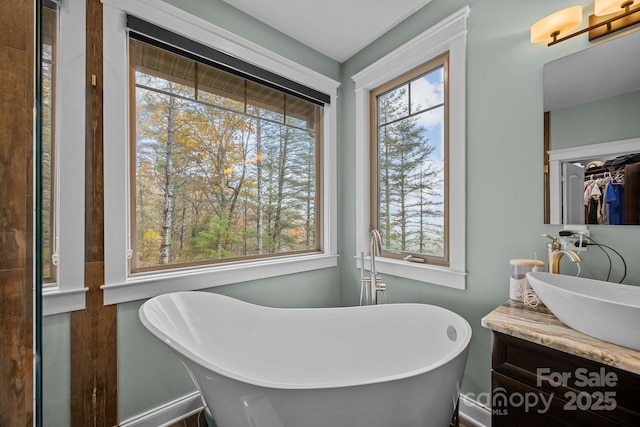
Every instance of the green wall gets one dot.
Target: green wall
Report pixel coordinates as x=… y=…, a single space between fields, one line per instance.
x=504 y=193
x=504 y=164
x=56 y=380
x=611 y=119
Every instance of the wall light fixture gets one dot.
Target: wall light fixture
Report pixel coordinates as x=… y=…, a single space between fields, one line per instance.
x=609 y=16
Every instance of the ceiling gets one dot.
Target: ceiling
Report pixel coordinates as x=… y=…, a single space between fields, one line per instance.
x=336 y=28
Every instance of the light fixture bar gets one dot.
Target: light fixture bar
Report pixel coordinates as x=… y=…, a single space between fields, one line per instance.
x=620 y=24
x=607 y=22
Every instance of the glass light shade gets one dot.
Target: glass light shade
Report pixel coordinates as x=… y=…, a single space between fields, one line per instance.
x=561 y=21
x=607 y=7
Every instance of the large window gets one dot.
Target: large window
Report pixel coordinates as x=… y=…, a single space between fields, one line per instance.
x=409 y=164
x=223 y=168
x=410 y=156
x=219 y=157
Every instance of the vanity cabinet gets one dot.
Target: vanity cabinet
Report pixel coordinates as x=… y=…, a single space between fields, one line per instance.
x=534 y=385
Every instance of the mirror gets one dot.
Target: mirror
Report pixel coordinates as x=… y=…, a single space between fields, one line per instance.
x=592 y=135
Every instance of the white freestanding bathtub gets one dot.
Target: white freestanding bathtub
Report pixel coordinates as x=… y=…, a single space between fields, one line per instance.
x=373 y=366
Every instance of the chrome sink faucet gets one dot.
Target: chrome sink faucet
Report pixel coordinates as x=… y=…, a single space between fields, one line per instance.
x=372 y=284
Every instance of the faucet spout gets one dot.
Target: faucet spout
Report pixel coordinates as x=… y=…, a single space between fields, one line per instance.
x=375 y=281
x=375 y=247
x=556 y=256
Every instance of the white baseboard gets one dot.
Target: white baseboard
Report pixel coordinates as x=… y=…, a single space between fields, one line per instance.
x=474 y=412
x=167 y=414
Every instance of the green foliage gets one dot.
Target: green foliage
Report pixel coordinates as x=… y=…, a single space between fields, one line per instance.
x=212 y=242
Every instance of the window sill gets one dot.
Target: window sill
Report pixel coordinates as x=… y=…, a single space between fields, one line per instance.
x=150 y=285
x=442 y=276
x=56 y=300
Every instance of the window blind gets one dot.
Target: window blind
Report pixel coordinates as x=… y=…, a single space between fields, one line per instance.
x=160 y=37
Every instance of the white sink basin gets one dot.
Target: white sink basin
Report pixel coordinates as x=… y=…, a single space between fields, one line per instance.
x=604 y=310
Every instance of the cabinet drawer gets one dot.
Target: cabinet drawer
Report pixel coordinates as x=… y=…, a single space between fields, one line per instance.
x=517 y=404
x=562 y=374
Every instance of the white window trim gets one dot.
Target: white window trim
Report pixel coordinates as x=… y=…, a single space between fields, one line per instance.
x=120 y=285
x=448 y=35
x=68 y=293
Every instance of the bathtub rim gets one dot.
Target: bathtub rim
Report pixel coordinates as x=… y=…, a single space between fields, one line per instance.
x=183 y=351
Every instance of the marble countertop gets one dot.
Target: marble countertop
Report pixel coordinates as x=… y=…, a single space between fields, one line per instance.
x=540 y=326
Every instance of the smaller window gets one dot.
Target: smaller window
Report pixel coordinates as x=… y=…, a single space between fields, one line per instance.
x=409 y=156
x=63 y=50
x=442 y=216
